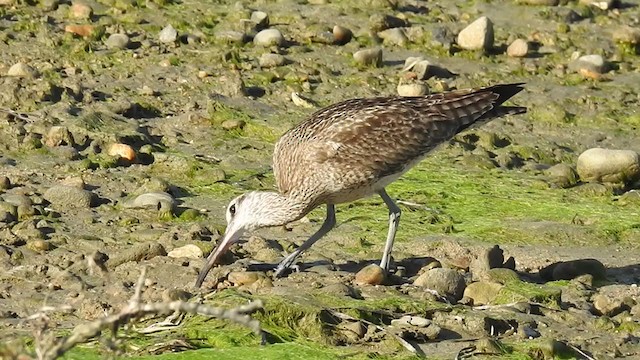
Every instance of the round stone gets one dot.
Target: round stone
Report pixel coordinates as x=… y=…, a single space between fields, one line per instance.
x=370 y=275
x=609 y=166
x=117 y=41
x=518 y=48
x=269 y=37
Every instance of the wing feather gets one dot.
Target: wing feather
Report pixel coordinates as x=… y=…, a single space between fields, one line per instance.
x=363 y=140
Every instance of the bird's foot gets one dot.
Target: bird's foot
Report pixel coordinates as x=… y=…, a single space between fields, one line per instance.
x=285 y=265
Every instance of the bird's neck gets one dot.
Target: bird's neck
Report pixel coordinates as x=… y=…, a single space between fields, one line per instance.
x=288 y=208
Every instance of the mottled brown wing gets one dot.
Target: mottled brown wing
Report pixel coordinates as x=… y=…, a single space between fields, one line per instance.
x=364 y=140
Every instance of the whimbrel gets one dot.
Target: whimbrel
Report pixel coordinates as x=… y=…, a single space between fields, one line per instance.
x=354 y=149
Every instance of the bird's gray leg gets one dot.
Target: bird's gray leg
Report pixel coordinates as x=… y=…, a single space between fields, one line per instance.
x=329 y=223
x=394 y=220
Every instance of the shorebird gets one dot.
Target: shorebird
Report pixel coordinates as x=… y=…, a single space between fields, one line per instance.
x=351 y=150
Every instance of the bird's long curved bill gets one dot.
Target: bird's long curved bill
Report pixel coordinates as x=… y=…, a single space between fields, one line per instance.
x=230 y=237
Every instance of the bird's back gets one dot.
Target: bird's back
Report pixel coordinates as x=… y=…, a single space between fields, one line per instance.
x=347 y=150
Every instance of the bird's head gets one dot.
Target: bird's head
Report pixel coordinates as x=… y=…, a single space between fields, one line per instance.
x=247 y=212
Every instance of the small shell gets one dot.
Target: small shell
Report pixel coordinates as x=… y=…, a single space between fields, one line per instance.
x=299 y=100
x=122 y=151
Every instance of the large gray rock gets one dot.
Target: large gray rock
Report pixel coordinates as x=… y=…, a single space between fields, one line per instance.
x=609 y=166
x=478 y=35
x=62 y=196
x=446 y=282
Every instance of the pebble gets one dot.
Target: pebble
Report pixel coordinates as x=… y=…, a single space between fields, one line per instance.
x=269 y=37
x=341 y=35
x=478 y=35
x=394 y=36
x=482 y=292
x=261 y=19
x=369 y=57
x=189 y=251
x=62 y=197
x=370 y=275
x=81 y=30
x=412 y=89
x=562 y=175
x=518 y=48
x=5 y=183
x=567 y=270
x=117 y=41
x=80 y=11
x=152 y=200
x=21 y=69
x=587 y=64
x=122 y=151
x=609 y=166
x=446 y=282
x=269 y=60
x=168 y=34
x=58 y=135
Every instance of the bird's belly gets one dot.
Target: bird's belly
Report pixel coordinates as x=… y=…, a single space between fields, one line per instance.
x=359 y=192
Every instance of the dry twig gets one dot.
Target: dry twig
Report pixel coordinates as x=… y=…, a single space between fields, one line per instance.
x=135 y=309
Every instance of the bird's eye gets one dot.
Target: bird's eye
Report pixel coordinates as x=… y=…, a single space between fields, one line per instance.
x=232 y=209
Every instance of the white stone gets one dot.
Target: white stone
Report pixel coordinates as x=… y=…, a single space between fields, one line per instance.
x=269 y=37
x=478 y=35
x=609 y=166
x=412 y=89
x=168 y=34
x=518 y=48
